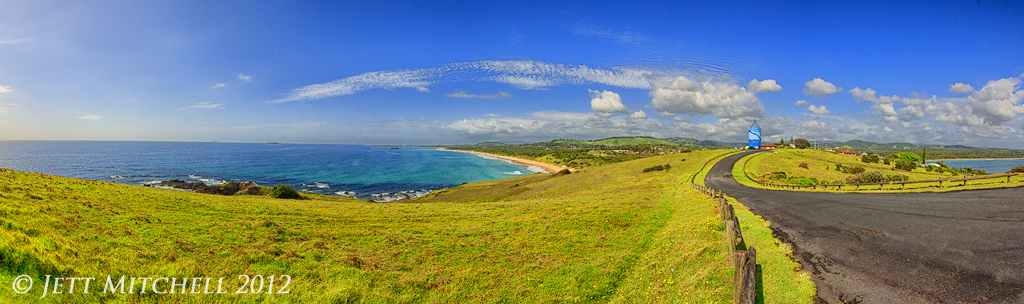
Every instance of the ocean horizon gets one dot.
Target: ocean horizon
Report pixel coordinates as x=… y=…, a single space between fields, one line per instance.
x=377 y=173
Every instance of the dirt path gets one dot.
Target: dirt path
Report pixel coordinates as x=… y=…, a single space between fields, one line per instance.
x=952 y=247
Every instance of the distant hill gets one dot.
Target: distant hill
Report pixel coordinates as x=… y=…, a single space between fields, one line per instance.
x=633 y=141
x=873 y=146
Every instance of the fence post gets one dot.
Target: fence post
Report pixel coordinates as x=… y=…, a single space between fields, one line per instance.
x=747 y=285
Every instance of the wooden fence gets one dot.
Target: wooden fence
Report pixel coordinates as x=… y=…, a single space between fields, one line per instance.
x=744 y=259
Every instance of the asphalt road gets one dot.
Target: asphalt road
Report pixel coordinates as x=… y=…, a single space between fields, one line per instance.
x=952 y=247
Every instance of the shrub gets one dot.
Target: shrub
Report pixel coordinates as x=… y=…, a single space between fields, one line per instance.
x=803 y=165
x=855 y=169
x=870 y=158
x=839 y=167
x=929 y=168
x=564 y=172
x=897 y=177
x=905 y=165
x=867 y=177
x=1017 y=169
x=658 y=168
x=284 y=191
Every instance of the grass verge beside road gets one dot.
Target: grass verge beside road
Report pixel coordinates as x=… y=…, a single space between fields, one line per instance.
x=821 y=167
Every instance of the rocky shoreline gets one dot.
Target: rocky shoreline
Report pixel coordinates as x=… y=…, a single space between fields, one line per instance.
x=229 y=188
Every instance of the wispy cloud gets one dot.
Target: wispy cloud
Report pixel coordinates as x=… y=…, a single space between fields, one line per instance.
x=205 y=106
x=463 y=94
x=89 y=117
x=423 y=89
x=523 y=74
x=219 y=85
x=244 y=77
x=623 y=37
x=4 y=89
x=12 y=41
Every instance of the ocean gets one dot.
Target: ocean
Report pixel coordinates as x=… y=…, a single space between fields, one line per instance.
x=991 y=166
x=365 y=172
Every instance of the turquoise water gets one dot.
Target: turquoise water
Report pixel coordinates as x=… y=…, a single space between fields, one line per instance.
x=991 y=166
x=366 y=172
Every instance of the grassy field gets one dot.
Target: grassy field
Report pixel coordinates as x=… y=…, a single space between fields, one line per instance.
x=604 y=234
x=821 y=167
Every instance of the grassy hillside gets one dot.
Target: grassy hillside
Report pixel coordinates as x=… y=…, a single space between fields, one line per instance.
x=821 y=168
x=605 y=234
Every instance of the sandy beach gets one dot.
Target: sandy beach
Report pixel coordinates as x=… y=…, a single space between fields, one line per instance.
x=546 y=166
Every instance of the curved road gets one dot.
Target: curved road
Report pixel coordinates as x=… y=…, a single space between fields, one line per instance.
x=952 y=247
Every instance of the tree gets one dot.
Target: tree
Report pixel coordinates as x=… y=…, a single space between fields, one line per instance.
x=924 y=155
x=909 y=156
x=782 y=141
x=801 y=143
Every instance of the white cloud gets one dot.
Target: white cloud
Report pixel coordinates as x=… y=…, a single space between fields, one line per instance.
x=423 y=89
x=887 y=129
x=818 y=87
x=244 y=77
x=999 y=101
x=638 y=114
x=3 y=109
x=869 y=95
x=885 y=110
x=463 y=94
x=801 y=103
x=5 y=89
x=718 y=98
x=764 y=86
x=666 y=115
x=89 y=117
x=492 y=115
x=606 y=103
x=205 y=106
x=961 y=88
x=219 y=85
x=819 y=110
x=522 y=74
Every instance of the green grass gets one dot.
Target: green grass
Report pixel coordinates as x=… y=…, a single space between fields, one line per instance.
x=821 y=167
x=604 y=234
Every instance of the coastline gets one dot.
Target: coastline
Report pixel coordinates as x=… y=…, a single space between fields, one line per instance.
x=944 y=159
x=526 y=162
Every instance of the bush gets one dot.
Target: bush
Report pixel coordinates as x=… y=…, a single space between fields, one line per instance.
x=658 y=168
x=902 y=164
x=929 y=168
x=870 y=158
x=897 y=177
x=284 y=191
x=803 y=165
x=1017 y=169
x=867 y=177
x=848 y=169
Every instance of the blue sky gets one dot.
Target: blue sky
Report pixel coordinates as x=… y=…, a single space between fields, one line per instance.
x=389 y=72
